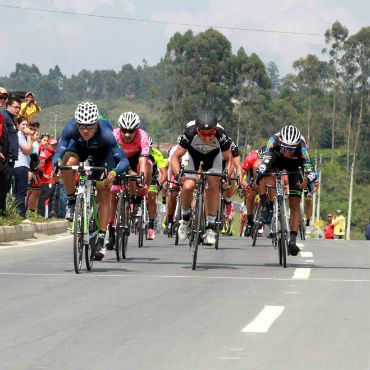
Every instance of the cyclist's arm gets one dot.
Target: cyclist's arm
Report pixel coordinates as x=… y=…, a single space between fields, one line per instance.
x=122 y=163
x=229 y=162
x=67 y=135
x=143 y=161
x=175 y=160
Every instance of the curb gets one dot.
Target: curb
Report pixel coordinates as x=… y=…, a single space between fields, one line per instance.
x=21 y=232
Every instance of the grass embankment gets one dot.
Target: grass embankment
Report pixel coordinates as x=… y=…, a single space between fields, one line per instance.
x=13 y=218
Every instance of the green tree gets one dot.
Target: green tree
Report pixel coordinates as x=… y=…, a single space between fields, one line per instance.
x=335 y=39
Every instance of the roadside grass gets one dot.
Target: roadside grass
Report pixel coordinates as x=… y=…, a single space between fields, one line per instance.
x=12 y=216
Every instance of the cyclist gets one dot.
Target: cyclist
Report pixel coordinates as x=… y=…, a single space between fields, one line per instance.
x=173 y=192
x=238 y=170
x=158 y=179
x=135 y=143
x=84 y=136
x=286 y=150
x=250 y=166
x=204 y=140
x=308 y=194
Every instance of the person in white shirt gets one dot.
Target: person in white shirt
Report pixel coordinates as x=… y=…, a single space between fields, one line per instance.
x=22 y=165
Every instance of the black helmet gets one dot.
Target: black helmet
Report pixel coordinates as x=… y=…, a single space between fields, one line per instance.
x=262 y=150
x=205 y=120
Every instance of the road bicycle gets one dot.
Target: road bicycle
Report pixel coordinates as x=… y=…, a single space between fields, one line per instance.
x=85 y=226
x=280 y=221
x=198 y=222
x=123 y=214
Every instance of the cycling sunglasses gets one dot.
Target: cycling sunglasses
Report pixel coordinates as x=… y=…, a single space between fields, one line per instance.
x=130 y=132
x=84 y=126
x=285 y=147
x=206 y=134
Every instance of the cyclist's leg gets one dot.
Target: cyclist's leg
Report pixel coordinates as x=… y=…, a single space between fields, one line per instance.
x=295 y=209
x=113 y=200
x=308 y=206
x=152 y=209
x=74 y=155
x=99 y=159
x=187 y=195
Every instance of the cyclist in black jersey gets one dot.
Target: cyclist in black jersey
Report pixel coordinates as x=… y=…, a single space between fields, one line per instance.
x=204 y=140
x=286 y=150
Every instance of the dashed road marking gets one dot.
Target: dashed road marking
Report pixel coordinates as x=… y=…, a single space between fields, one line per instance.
x=300 y=245
x=301 y=273
x=264 y=320
x=306 y=254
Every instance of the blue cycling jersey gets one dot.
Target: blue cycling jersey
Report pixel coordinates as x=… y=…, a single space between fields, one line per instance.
x=103 y=143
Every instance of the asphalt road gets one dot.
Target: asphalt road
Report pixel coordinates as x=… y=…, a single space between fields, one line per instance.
x=238 y=310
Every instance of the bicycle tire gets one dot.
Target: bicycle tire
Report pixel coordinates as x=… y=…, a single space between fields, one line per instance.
x=178 y=218
x=119 y=227
x=218 y=224
x=197 y=225
x=283 y=231
x=302 y=230
x=78 y=234
x=126 y=227
x=256 y=224
x=90 y=248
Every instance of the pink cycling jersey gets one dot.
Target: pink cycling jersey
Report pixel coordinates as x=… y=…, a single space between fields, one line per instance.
x=140 y=144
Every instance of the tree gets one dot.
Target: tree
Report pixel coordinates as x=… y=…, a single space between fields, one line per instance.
x=274 y=75
x=311 y=73
x=335 y=38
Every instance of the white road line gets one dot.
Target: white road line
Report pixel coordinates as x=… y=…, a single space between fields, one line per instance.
x=301 y=273
x=309 y=261
x=23 y=244
x=291 y=292
x=229 y=358
x=306 y=254
x=300 y=245
x=99 y=275
x=263 y=321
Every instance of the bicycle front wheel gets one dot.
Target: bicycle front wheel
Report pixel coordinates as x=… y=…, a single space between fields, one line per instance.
x=256 y=224
x=197 y=231
x=78 y=234
x=284 y=233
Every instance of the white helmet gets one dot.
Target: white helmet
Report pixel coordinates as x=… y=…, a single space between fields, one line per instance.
x=86 y=113
x=290 y=135
x=129 y=120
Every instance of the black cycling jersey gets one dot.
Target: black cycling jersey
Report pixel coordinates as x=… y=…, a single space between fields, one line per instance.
x=191 y=141
x=234 y=149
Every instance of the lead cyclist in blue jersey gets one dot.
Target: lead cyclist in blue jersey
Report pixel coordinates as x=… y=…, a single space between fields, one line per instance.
x=85 y=136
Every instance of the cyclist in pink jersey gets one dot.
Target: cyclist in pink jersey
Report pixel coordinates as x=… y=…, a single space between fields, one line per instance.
x=135 y=143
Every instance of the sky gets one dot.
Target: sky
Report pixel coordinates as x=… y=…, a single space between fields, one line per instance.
x=76 y=42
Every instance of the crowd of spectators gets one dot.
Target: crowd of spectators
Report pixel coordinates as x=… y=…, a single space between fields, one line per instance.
x=25 y=160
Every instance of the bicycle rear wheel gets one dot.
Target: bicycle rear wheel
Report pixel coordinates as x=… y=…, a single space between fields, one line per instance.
x=197 y=224
x=177 y=222
x=78 y=234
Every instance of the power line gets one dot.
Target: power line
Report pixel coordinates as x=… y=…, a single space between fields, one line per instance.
x=160 y=22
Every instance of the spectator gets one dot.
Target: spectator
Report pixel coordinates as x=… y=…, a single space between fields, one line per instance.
x=242 y=217
x=36 y=127
x=339 y=224
x=37 y=174
x=5 y=170
x=29 y=107
x=9 y=150
x=329 y=229
x=367 y=231
x=48 y=183
x=22 y=165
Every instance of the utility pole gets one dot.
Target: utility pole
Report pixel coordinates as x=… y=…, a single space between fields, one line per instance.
x=319 y=190
x=348 y=233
